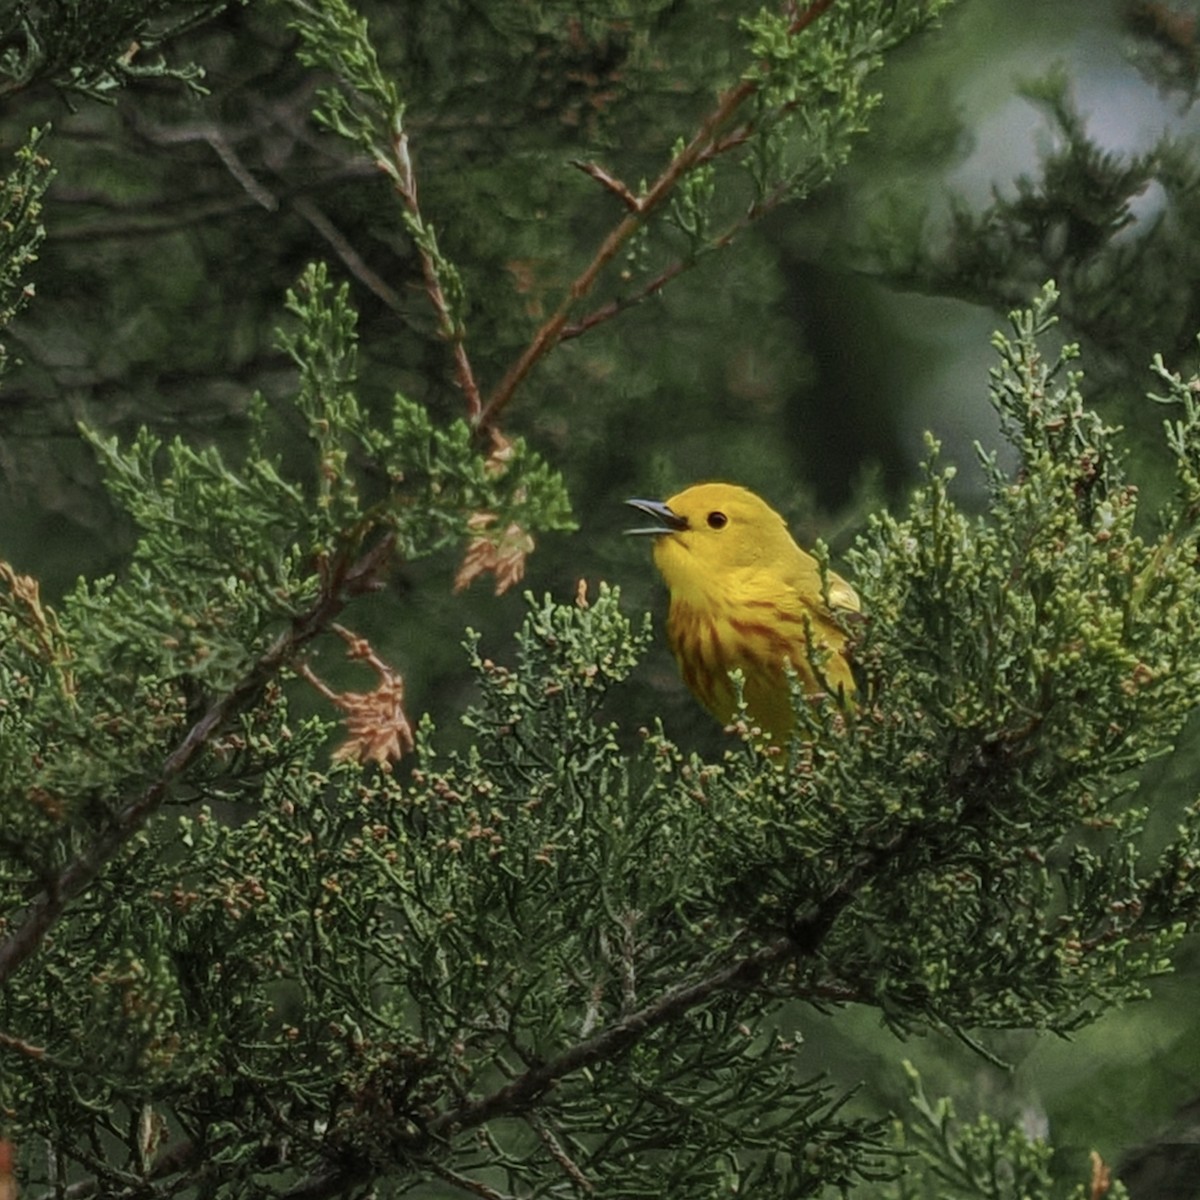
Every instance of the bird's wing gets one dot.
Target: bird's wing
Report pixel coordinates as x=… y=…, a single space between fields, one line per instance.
x=841 y=594
x=803 y=577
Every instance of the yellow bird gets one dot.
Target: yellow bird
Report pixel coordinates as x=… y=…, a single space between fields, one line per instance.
x=745 y=596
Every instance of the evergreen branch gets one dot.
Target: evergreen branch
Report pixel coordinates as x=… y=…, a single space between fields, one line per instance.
x=697 y=151
x=341 y=580
x=525 y=1090
x=96 y=50
x=21 y=230
x=433 y=267
x=613 y=1041
x=522 y=1093
x=366 y=109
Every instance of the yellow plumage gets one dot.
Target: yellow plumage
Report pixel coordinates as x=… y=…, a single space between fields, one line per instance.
x=745 y=596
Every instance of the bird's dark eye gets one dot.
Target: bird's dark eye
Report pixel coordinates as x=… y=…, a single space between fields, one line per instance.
x=717 y=520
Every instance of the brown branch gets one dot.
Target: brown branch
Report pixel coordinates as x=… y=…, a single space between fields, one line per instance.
x=550 y=333
x=613 y=1041
x=340 y=581
x=8 y=1042
x=701 y=148
x=614 y=308
x=610 y=182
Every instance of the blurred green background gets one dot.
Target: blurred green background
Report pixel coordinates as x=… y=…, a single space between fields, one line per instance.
x=1023 y=139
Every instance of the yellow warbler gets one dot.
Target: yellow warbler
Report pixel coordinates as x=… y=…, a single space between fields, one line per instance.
x=744 y=596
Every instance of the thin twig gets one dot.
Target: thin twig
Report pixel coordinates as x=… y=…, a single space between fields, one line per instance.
x=652 y=287
x=353 y=261
x=614 y=308
x=555 y=1149
x=21 y=1046
x=702 y=147
x=404 y=180
x=341 y=580
x=613 y=184
x=474 y=1186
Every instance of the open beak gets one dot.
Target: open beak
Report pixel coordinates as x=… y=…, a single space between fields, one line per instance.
x=667 y=521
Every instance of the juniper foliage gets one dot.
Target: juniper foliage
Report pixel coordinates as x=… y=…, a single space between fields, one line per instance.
x=562 y=952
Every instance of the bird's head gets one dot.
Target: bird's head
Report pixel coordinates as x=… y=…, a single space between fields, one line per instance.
x=710 y=529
